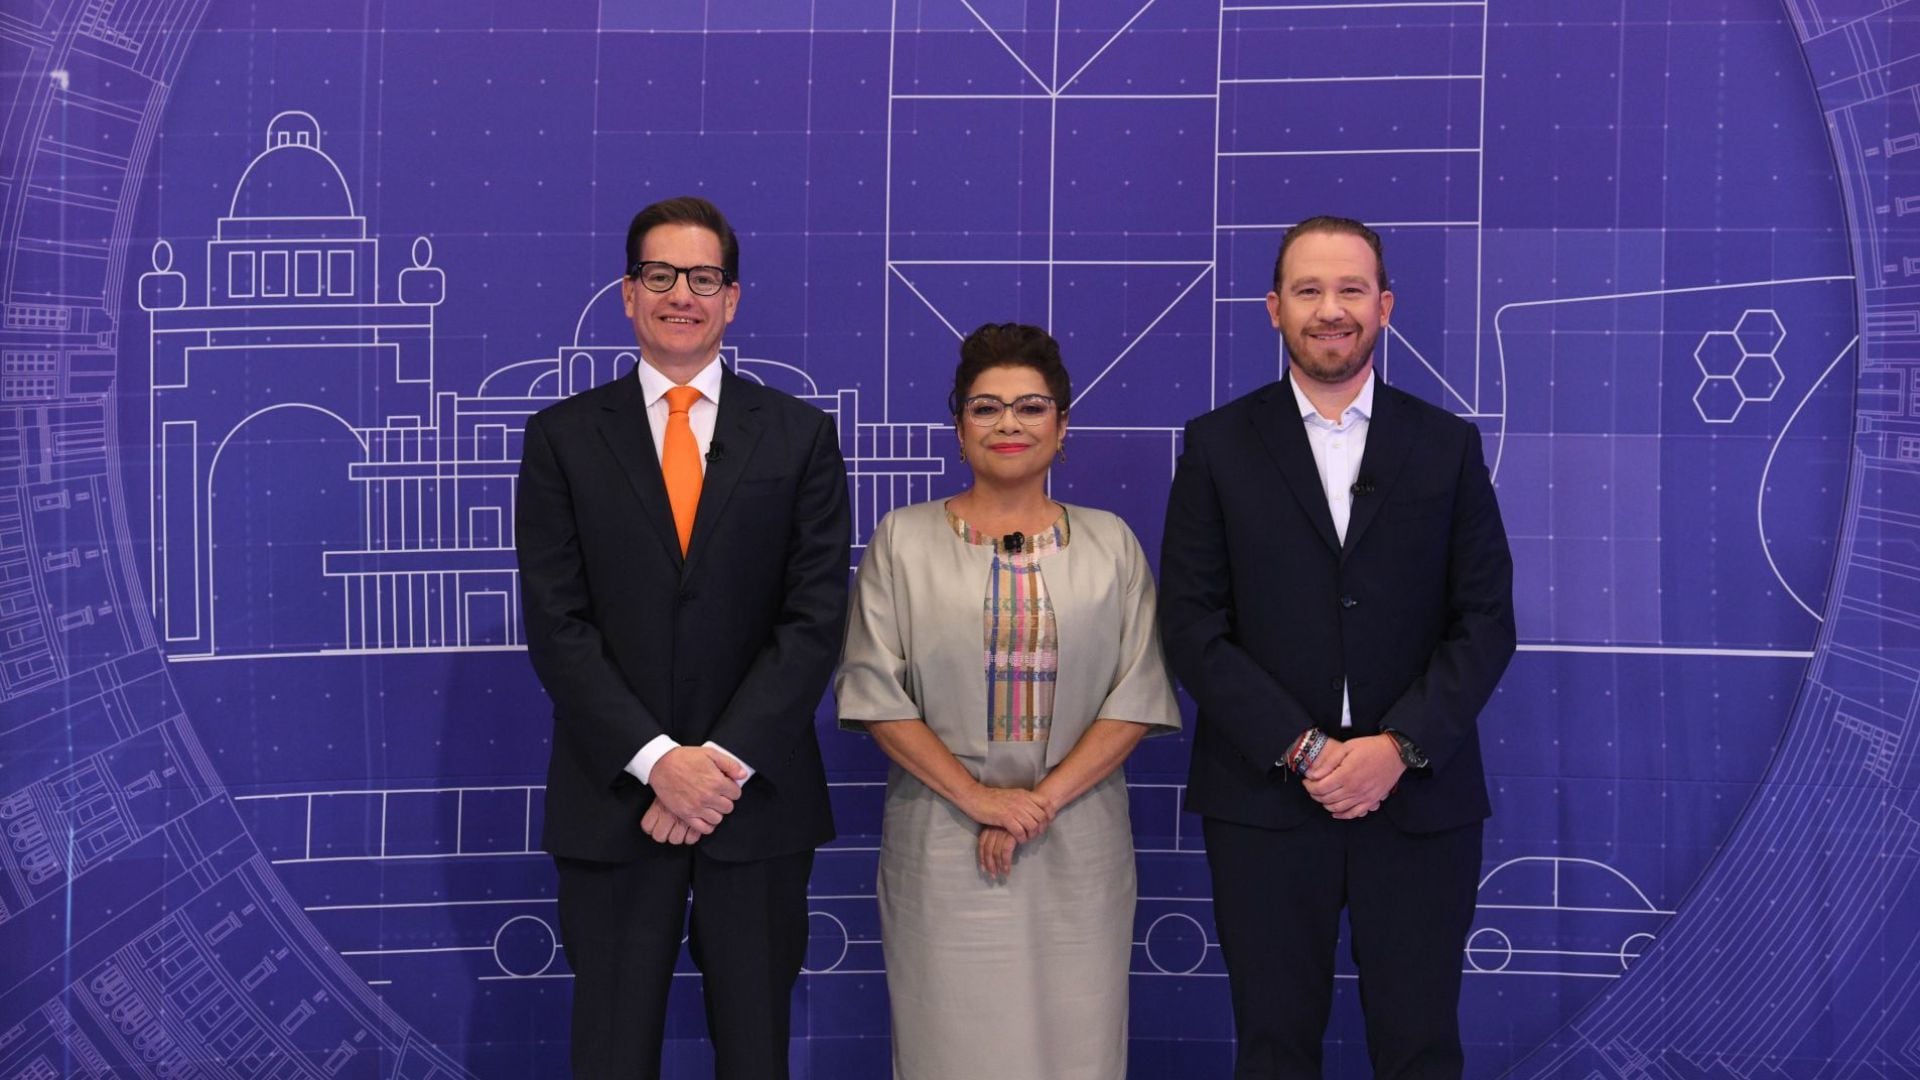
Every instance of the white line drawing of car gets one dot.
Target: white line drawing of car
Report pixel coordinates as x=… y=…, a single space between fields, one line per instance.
x=1552 y=915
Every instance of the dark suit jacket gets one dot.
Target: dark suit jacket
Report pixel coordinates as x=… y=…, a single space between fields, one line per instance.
x=1265 y=613
x=735 y=643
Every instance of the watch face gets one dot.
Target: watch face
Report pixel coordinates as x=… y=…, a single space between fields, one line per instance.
x=1410 y=754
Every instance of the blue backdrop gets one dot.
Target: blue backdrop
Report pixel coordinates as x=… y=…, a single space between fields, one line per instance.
x=282 y=282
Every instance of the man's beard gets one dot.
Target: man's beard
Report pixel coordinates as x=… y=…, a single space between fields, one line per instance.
x=1336 y=370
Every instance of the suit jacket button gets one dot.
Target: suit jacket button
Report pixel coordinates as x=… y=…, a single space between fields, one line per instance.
x=1348 y=601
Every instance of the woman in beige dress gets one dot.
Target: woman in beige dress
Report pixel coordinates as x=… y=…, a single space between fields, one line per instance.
x=1001 y=649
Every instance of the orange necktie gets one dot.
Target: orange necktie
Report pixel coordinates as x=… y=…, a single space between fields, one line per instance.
x=680 y=462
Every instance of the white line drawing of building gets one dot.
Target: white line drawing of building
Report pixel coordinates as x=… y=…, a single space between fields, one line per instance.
x=401 y=492
x=290 y=338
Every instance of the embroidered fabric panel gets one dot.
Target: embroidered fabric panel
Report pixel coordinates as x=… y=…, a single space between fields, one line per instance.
x=1021 y=635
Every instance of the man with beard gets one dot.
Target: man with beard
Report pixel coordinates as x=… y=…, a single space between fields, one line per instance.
x=1336 y=595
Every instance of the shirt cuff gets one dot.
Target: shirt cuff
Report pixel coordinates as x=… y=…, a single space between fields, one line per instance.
x=641 y=767
x=711 y=745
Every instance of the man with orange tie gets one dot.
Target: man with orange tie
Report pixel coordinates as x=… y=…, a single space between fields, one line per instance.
x=682 y=537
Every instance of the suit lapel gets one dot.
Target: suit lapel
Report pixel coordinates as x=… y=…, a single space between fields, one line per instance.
x=623 y=423
x=1390 y=436
x=1279 y=427
x=736 y=432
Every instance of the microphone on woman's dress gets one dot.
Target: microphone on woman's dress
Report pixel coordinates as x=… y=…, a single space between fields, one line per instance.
x=1013 y=542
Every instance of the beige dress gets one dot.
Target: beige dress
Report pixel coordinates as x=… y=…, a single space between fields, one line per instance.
x=1026 y=979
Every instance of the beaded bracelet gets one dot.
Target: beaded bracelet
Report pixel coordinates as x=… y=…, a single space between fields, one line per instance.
x=1306 y=750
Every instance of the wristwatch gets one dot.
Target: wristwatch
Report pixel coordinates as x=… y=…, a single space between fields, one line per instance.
x=1410 y=755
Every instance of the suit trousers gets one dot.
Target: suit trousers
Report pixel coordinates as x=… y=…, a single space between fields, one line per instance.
x=621 y=925
x=1409 y=897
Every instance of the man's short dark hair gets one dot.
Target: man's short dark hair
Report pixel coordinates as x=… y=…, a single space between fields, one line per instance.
x=1325 y=223
x=1011 y=345
x=685 y=210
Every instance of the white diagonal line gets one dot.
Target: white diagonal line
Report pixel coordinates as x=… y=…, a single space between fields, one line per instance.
x=923 y=299
x=1141 y=336
x=1128 y=25
x=1010 y=50
x=1665 y=292
x=1444 y=384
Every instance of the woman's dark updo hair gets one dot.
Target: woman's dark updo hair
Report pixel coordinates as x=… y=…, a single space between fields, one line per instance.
x=1010 y=345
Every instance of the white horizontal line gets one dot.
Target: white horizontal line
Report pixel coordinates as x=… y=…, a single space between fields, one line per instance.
x=677 y=975
x=406 y=952
x=1349 y=78
x=516 y=788
x=1352 y=153
x=396 y=858
x=1363 y=7
x=409 y=650
x=1049 y=262
x=284 y=217
x=1667 y=650
x=294 y=309
x=1544 y=974
x=391 y=791
x=1615 y=953
x=427 y=904
x=1053 y=97
x=1569 y=907
x=1372 y=224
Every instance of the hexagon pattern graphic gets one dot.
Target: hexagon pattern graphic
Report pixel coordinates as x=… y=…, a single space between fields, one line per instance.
x=1739 y=366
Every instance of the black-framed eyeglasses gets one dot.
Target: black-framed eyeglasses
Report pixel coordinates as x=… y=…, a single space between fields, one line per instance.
x=985 y=410
x=661 y=276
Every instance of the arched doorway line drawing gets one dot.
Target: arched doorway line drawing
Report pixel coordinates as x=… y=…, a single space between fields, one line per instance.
x=213 y=471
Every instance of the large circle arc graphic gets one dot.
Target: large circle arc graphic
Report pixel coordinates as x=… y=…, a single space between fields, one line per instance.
x=146 y=687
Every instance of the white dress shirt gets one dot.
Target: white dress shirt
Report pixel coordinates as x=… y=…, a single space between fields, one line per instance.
x=654 y=387
x=700 y=417
x=1337 y=450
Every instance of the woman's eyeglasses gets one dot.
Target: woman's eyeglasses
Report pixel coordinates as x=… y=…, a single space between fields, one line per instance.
x=984 y=410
